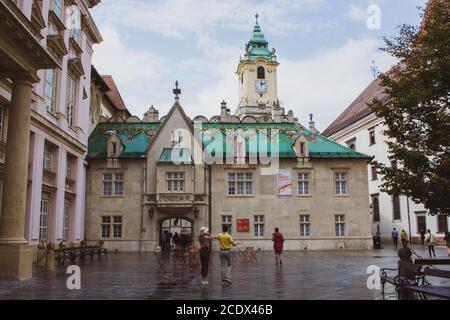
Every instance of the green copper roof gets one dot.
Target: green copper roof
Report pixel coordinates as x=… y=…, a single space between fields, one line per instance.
x=136 y=138
x=257 y=47
x=174 y=155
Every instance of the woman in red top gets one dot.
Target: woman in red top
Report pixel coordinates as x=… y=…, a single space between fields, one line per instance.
x=278 y=241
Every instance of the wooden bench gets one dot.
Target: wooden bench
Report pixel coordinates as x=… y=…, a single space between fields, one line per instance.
x=428 y=290
x=64 y=253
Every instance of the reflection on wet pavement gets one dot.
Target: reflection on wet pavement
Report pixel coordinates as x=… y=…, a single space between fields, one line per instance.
x=304 y=275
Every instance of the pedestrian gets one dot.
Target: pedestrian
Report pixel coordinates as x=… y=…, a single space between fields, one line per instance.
x=168 y=239
x=422 y=236
x=226 y=242
x=205 y=252
x=278 y=241
x=176 y=240
x=447 y=241
x=394 y=236
x=404 y=237
x=163 y=240
x=429 y=239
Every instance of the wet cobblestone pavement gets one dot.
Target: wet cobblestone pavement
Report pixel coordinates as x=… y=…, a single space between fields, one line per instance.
x=304 y=275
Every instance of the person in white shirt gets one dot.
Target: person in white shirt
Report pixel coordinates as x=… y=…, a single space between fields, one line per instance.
x=429 y=240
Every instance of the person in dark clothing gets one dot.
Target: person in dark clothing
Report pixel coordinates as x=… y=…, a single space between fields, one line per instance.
x=205 y=252
x=394 y=236
x=176 y=239
x=422 y=236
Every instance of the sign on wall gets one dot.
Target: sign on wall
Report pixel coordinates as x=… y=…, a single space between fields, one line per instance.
x=243 y=225
x=284 y=182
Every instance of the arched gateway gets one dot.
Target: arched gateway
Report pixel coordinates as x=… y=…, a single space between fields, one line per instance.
x=176 y=225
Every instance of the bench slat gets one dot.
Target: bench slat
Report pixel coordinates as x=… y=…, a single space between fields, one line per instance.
x=437 y=273
x=442 y=292
x=431 y=262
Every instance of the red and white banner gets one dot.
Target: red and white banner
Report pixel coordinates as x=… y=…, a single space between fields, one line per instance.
x=284 y=182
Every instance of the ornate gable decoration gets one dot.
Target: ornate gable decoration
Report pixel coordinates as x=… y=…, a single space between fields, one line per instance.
x=55 y=43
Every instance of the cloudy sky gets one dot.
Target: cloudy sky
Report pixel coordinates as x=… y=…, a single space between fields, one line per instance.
x=324 y=47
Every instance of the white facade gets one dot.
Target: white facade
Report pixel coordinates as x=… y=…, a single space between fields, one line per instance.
x=358 y=134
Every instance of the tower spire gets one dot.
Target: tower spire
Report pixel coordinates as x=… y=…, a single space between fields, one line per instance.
x=257 y=16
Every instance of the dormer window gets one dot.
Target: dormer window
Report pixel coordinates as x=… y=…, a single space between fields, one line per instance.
x=261 y=73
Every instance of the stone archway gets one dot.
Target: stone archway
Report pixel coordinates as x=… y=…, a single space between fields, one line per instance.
x=175 y=231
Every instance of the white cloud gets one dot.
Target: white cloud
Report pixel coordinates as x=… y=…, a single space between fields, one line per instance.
x=136 y=72
x=327 y=83
x=357 y=13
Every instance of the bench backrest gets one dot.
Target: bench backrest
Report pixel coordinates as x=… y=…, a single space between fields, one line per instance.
x=432 y=262
x=437 y=273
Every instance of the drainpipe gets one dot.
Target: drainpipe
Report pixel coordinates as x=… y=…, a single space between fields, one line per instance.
x=409 y=221
x=144 y=193
x=209 y=199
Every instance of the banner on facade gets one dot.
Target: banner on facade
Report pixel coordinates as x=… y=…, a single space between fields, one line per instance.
x=284 y=183
x=243 y=225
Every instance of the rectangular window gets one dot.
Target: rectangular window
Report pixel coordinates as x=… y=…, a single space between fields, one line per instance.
x=66 y=222
x=227 y=221
x=341 y=183
x=113 y=184
x=107 y=184
x=175 y=181
x=48 y=157
x=50 y=90
x=340 y=225
x=118 y=184
x=259 y=226
x=372 y=139
x=1 y=122
x=106 y=227
x=396 y=207
x=442 y=224
x=69 y=163
x=303 y=183
x=304 y=225
x=117 y=227
x=57 y=8
x=70 y=101
x=421 y=223
x=43 y=220
x=374 y=173
x=240 y=183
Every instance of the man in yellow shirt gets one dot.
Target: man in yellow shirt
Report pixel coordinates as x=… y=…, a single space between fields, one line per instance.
x=226 y=242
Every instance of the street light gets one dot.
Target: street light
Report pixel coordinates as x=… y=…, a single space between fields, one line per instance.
x=196 y=212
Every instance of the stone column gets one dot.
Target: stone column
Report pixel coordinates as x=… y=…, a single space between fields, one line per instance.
x=15 y=254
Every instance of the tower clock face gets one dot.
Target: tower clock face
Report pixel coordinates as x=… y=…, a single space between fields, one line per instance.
x=261 y=86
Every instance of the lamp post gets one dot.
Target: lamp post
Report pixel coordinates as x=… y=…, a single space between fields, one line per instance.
x=196 y=212
x=151 y=212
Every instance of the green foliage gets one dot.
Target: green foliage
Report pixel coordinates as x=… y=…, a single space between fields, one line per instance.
x=417 y=113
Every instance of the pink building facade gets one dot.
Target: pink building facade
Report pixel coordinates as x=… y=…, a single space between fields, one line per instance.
x=60 y=104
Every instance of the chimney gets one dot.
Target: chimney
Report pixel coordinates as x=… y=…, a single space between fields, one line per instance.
x=223 y=109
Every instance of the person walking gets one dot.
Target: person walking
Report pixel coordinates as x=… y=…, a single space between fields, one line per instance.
x=163 y=240
x=278 y=241
x=447 y=241
x=226 y=242
x=176 y=240
x=394 y=236
x=429 y=239
x=404 y=237
x=205 y=252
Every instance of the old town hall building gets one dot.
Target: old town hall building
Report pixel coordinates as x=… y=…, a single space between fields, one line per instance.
x=253 y=170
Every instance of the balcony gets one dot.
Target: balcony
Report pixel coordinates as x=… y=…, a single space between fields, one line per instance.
x=172 y=202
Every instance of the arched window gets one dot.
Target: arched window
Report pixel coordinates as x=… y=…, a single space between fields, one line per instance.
x=261 y=73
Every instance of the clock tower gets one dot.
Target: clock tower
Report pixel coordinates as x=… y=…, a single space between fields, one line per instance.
x=257 y=75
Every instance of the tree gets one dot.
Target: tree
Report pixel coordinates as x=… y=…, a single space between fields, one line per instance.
x=417 y=113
